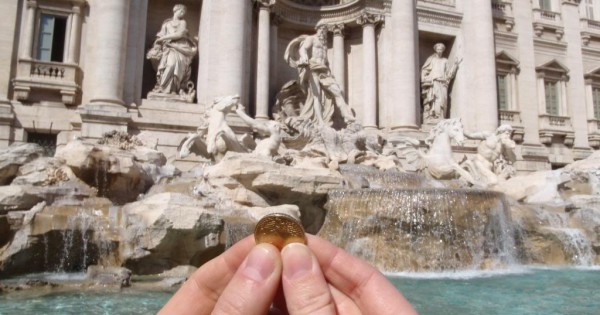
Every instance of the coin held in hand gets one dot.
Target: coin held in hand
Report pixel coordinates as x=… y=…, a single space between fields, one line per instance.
x=279 y=230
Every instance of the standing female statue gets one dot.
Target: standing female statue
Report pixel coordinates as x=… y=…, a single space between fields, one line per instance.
x=172 y=56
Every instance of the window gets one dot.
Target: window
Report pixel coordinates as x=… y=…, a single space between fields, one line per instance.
x=507 y=70
x=596 y=102
x=503 y=95
x=546 y=5
x=591 y=9
x=552 y=97
x=51 y=39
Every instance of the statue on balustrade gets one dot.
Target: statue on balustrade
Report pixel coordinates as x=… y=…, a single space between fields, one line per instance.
x=495 y=156
x=436 y=75
x=171 y=56
x=322 y=94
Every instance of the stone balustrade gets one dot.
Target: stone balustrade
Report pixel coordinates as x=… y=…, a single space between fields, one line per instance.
x=594 y=133
x=63 y=77
x=502 y=10
x=589 y=29
x=513 y=118
x=544 y=20
x=556 y=126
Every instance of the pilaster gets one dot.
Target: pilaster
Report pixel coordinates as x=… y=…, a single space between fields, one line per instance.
x=479 y=109
x=575 y=98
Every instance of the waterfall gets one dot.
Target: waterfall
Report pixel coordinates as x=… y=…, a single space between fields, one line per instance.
x=422 y=229
x=370 y=177
x=572 y=241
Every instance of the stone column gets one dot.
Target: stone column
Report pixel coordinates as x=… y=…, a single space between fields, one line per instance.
x=339 y=55
x=574 y=62
x=225 y=34
x=404 y=73
x=479 y=108
x=109 y=59
x=27 y=39
x=75 y=38
x=7 y=44
x=106 y=110
x=274 y=57
x=263 y=58
x=368 y=22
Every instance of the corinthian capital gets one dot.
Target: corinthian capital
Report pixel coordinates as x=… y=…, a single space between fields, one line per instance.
x=264 y=3
x=336 y=29
x=369 y=18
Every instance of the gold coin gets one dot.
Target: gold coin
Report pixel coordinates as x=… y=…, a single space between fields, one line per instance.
x=279 y=229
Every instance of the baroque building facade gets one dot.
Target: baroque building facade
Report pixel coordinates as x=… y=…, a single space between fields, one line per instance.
x=79 y=68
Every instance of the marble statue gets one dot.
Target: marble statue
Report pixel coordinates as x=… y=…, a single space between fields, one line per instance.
x=171 y=57
x=308 y=54
x=436 y=75
x=215 y=138
x=269 y=146
x=494 y=158
x=438 y=161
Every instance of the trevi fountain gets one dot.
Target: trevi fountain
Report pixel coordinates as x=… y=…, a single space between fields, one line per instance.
x=114 y=222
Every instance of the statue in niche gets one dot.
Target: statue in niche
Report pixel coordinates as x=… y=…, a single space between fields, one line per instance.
x=171 y=56
x=494 y=158
x=308 y=54
x=436 y=76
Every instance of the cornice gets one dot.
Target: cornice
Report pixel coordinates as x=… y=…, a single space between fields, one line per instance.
x=348 y=13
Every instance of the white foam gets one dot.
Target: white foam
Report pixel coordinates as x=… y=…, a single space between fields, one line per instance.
x=460 y=274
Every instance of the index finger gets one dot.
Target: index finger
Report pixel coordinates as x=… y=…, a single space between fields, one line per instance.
x=199 y=294
x=369 y=289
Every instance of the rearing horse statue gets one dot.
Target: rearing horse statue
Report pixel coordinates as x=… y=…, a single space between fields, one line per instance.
x=438 y=161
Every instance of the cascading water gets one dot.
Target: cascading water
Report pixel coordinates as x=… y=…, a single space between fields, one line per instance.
x=78 y=231
x=422 y=229
x=575 y=245
x=363 y=175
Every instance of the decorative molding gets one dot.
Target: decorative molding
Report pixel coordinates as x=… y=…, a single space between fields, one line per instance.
x=337 y=29
x=264 y=4
x=369 y=19
x=436 y=17
x=450 y=3
x=347 y=13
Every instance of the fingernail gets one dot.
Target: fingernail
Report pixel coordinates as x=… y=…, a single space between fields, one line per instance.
x=260 y=264
x=297 y=260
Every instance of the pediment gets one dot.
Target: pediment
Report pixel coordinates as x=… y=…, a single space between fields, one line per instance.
x=553 y=66
x=593 y=74
x=505 y=58
x=505 y=63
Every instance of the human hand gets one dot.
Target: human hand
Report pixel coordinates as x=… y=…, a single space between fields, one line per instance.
x=241 y=108
x=316 y=279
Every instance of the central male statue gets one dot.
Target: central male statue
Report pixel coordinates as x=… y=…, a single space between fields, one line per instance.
x=308 y=54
